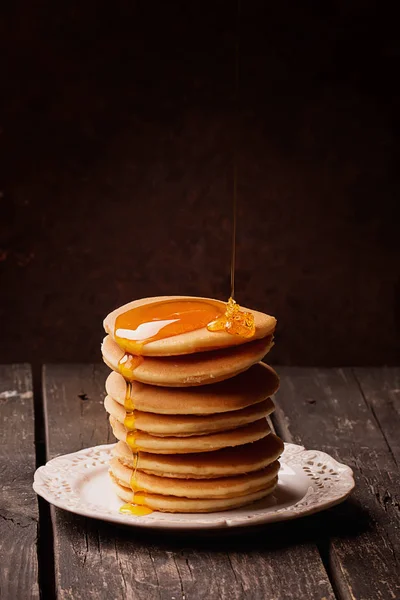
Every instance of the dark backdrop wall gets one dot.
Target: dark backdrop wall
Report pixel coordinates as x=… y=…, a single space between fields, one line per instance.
x=117 y=134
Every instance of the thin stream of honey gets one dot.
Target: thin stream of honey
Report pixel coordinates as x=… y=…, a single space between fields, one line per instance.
x=235 y=321
x=235 y=169
x=233 y=252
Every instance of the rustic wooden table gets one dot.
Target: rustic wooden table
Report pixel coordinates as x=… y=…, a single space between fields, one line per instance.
x=349 y=552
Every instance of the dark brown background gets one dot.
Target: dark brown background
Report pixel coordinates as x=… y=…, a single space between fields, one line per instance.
x=117 y=135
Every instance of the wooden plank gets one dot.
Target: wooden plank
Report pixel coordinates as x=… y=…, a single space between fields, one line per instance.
x=18 y=503
x=96 y=560
x=325 y=409
x=381 y=390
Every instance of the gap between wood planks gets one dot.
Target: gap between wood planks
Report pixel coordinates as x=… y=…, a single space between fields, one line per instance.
x=364 y=401
x=45 y=542
x=323 y=547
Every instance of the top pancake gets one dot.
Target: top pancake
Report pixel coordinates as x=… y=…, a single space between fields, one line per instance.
x=193 y=341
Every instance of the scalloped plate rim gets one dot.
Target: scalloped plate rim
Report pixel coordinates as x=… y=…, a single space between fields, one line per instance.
x=206 y=520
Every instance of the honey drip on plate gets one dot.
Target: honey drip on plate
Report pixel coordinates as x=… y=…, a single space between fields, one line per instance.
x=138 y=508
x=135 y=510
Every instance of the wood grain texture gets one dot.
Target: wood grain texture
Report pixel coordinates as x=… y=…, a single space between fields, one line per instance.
x=326 y=409
x=18 y=503
x=95 y=560
x=381 y=390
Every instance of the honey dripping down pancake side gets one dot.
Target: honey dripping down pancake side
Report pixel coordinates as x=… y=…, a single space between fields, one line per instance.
x=178 y=415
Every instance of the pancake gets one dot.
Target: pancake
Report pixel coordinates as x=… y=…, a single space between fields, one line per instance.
x=187 y=425
x=193 y=341
x=205 y=465
x=222 y=487
x=253 y=385
x=141 y=441
x=192 y=369
x=190 y=505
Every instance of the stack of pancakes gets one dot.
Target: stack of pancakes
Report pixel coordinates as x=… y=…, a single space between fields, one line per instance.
x=190 y=417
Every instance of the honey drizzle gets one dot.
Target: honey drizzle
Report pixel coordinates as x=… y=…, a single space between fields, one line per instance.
x=129 y=419
x=135 y=508
x=133 y=482
x=131 y=440
x=127 y=364
x=128 y=401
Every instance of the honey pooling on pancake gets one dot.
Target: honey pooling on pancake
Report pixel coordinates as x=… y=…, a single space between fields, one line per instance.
x=159 y=320
x=235 y=321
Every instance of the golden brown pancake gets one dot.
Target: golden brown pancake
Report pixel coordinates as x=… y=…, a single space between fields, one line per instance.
x=196 y=443
x=191 y=369
x=190 y=505
x=204 y=465
x=186 y=425
x=253 y=385
x=194 y=341
x=222 y=487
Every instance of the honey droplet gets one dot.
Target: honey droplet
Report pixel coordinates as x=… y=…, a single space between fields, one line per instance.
x=235 y=321
x=135 y=510
x=135 y=487
x=131 y=441
x=159 y=320
x=129 y=421
x=139 y=498
x=128 y=402
x=128 y=364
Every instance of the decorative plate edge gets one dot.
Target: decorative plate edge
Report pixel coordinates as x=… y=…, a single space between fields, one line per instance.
x=331 y=482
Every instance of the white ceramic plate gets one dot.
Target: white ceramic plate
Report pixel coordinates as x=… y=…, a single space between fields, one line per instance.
x=309 y=481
